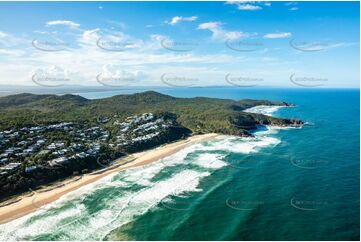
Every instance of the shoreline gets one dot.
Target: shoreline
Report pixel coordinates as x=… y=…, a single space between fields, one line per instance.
x=26 y=205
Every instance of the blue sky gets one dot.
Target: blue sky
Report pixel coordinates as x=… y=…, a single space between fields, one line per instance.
x=180 y=43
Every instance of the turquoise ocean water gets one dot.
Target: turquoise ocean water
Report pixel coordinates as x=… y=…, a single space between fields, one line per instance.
x=283 y=184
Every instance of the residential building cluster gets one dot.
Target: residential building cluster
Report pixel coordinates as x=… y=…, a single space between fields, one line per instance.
x=141 y=128
x=27 y=144
x=57 y=144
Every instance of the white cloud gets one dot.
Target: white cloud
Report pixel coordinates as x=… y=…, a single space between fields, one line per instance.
x=293 y=9
x=267 y=59
x=86 y=62
x=219 y=33
x=178 y=19
x=318 y=46
x=145 y=61
x=51 y=76
x=277 y=35
x=40 y=32
x=3 y=35
x=89 y=37
x=10 y=41
x=114 y=73
x=13 y=53
x=54 y=71
x=108 y=40
x=141 y=66
x=158 y=38
x=249 y=5
x=342 y=44
x=67 y=23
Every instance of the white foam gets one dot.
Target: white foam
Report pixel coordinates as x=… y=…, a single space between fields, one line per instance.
x=142 y=176
x=22 y=227
x=240 y=144
x=213 y=161
x=136 y=204
x=263 y=109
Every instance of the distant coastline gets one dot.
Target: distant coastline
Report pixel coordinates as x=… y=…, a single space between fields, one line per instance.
x=83 y=90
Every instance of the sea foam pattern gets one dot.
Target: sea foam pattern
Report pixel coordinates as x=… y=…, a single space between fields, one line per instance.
x=93 y=211
x=262 y=109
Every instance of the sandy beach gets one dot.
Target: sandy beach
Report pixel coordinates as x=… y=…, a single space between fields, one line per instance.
x=25 y=204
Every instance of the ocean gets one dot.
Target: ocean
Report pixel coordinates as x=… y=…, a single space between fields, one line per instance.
x=283 y=184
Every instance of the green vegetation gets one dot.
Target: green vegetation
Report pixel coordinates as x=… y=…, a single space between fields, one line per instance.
x=200 y=115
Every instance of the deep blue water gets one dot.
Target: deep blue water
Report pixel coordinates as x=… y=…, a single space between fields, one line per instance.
x=288 y=184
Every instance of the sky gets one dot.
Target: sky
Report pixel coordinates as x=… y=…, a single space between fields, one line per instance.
x=180 y=44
